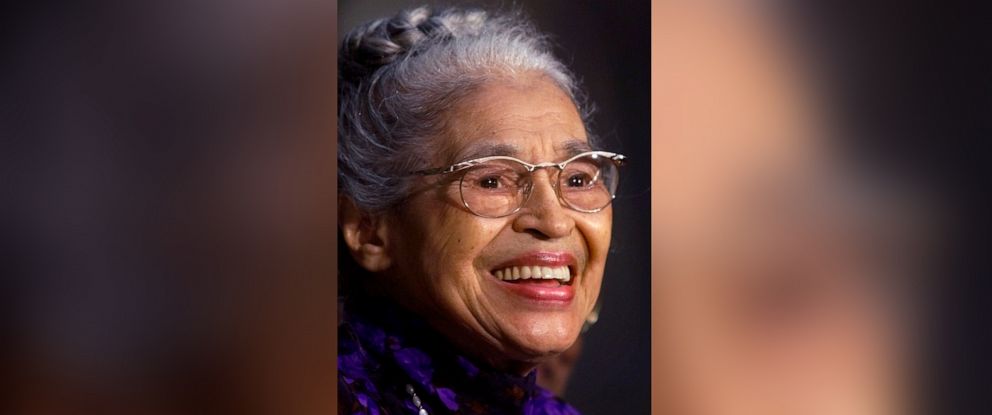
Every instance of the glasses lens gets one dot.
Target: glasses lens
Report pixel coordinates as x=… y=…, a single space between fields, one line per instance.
x=589 y=183
x=494 y=188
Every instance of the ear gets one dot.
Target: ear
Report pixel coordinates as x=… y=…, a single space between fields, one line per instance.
x=365 y=235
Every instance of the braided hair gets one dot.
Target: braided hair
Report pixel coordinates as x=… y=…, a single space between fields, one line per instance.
x=399 y=75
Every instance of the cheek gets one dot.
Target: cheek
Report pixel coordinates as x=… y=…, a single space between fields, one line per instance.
x=596 y=232
x=453 y=240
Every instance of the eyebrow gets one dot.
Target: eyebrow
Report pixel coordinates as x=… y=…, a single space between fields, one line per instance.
x=571 y=148
x=489 y=150
x=575 y=147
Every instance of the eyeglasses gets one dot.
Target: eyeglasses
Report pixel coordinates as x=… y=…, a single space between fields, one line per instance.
x=498 y=186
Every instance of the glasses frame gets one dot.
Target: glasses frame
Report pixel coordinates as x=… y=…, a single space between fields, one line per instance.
x=618 y=159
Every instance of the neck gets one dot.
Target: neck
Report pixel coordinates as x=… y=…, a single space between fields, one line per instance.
x=479 y=351
x=483 y=351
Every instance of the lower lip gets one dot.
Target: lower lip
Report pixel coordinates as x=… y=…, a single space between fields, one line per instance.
x=560 y=295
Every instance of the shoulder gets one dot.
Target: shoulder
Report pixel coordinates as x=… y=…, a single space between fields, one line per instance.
x=367 y=384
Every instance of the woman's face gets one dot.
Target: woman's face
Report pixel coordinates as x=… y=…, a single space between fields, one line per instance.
x=444 y=259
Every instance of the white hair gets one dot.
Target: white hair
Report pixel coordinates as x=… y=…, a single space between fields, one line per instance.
x=399 y=75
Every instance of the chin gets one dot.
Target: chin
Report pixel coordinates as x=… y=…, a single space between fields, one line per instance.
x=540 y=339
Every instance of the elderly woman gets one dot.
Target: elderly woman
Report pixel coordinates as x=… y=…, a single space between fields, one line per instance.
x=476 y=210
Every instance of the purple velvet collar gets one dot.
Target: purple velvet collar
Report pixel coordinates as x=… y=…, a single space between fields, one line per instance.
x=383 y=348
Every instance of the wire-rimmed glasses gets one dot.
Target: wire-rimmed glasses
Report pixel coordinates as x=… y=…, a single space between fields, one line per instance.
x=498 y=186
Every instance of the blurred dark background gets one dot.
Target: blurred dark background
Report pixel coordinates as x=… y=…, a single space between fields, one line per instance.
x=607 y=44
x=913 y=84
x=167 y=207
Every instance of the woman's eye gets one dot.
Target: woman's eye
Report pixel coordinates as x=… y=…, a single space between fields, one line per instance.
x=579 y=180
x=490 y=182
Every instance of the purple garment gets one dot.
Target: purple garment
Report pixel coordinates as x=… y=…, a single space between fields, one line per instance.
x=383 y=348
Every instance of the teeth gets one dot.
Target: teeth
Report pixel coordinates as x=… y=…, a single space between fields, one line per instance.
x=534 y=272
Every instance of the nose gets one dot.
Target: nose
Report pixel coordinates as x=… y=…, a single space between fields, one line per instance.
x=543 y=215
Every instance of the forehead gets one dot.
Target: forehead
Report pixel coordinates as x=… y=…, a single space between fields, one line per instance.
x=525 y=117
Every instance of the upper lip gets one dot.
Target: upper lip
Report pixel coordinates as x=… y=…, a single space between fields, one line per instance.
x=541 y=258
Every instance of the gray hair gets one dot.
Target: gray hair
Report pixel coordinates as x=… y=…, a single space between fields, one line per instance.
x=398 y=76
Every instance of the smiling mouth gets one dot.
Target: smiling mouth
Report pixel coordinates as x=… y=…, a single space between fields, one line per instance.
x=535 y=274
